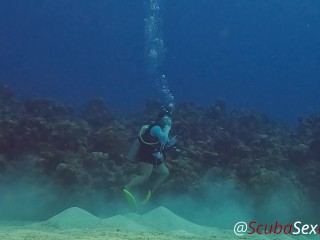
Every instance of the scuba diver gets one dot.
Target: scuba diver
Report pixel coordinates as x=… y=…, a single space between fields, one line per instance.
x=151 y=154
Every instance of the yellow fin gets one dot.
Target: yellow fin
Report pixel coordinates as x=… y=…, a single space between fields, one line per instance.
x=130 y=198
x=147 y=198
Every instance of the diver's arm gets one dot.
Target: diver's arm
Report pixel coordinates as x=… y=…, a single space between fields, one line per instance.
x=162 y=135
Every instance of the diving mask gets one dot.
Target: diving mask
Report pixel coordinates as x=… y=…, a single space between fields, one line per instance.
x=167 y=121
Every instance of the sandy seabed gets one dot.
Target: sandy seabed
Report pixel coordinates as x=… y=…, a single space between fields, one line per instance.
x=158 y=224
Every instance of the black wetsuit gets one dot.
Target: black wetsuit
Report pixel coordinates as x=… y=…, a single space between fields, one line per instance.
x=146 y=150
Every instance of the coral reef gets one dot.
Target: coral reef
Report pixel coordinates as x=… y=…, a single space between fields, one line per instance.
x=88 y=152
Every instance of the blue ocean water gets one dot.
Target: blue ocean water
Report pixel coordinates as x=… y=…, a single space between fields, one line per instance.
x=261 y=55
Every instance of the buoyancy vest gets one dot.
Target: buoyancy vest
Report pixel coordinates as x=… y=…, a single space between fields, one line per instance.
x=148 y=142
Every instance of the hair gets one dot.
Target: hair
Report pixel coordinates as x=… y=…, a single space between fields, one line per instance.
x=160 y=118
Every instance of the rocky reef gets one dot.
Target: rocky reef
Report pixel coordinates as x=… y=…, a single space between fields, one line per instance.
x=85 y=152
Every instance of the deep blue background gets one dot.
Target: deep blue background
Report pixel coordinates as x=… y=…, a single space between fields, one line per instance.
x=261 y=55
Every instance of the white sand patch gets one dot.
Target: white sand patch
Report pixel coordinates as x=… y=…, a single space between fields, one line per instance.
x=124 y=223
x=163 y=220
x=158 y=224
x=70 y=219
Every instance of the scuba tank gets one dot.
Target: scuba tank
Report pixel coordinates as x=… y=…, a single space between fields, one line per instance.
x=133 y=151
x=135 y=146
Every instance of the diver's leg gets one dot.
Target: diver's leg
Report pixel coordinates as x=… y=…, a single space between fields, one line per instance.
x=145 y=170
x=162 y=173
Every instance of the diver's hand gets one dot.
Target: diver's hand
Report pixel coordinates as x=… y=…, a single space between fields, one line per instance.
x=172 y=141
x=158 y=155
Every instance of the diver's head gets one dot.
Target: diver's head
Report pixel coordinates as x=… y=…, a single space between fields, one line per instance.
x=163 y=119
